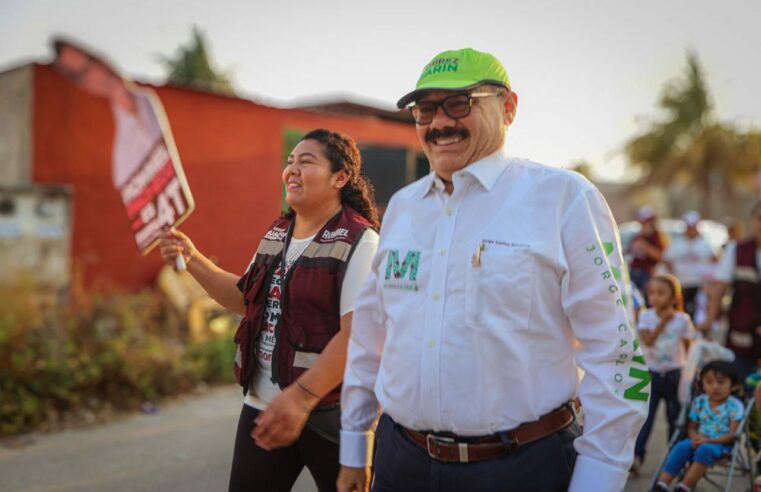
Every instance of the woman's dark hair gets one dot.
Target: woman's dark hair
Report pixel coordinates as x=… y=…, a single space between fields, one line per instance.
x=676 y=289
x=722 y=367
x=342 y=152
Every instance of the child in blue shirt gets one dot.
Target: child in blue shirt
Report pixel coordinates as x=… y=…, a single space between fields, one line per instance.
x=713 y=420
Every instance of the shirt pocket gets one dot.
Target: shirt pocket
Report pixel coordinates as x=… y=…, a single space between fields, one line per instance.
x=498 y=291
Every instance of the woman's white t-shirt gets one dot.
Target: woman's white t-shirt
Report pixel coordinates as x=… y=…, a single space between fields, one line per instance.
x=668 y=352
x=725 y=272
x=263 y=390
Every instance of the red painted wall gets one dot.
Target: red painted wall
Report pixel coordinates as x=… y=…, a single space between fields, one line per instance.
x=231 y=150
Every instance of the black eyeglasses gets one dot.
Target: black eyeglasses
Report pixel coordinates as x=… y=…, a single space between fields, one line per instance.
x=456 y=106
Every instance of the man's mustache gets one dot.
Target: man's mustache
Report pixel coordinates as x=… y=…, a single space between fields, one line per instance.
x=447 y=132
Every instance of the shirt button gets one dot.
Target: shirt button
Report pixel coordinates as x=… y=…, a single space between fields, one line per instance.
x=442 y=252
x=450 y=211
x=431 y=343
x=436 y=297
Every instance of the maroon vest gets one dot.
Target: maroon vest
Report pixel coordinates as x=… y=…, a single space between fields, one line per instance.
x=745 y=312
x=647 y=263
x=310 y=303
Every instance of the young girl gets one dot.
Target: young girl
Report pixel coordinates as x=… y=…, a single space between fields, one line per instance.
x=665 y=331
x=713 y=420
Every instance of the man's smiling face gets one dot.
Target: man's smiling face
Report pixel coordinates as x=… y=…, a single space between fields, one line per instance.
x=451 y=144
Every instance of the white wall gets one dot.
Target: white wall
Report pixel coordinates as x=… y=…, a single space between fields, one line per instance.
x=16 y=90
x=35 y=234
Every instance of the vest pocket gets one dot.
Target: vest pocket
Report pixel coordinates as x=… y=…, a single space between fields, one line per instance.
x=242 y=364
x=304 y=340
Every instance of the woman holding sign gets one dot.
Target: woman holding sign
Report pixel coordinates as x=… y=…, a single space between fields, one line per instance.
x=297 y=299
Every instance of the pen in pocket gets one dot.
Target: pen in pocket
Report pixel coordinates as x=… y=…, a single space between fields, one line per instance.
x=476 y=260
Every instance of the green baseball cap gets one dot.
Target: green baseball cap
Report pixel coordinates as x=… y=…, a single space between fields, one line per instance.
x=457 y=70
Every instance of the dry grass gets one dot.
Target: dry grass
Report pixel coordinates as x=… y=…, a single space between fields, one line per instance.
x=104 y=352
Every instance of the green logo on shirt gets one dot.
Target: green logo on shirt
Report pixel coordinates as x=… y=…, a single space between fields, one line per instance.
x=615 y=272
x=638 y=391
x=636 y=386
x=609 y=247
x=396 y=271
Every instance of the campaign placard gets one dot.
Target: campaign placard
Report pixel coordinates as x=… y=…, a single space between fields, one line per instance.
x=145 y=168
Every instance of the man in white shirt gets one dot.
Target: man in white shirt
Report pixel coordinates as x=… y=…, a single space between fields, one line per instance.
x=495 y=281
x=690 y=259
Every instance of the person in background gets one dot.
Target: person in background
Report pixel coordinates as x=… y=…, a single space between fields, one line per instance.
x=494 y=282
x=665 y=331
x=636 y=305
x=702 y=305
x=734 y=230
x=297 y=299
x=646 y=249
x=739 y=269
x=713 y=420
x=689 y=258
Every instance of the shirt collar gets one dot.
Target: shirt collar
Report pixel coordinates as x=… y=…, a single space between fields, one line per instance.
x=430 y=183
x=486 y=171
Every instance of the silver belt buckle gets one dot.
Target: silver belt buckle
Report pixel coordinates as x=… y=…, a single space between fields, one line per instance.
x=578 y=412
x=462 y=447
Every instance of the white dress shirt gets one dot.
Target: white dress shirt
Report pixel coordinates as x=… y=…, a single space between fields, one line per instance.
x=691 y=259
x=482 y=305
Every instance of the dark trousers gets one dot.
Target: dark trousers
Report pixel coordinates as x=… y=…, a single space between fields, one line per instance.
x=662 y=387
x=745 y=367
x=401 y=465
x=255 y=469
x=689 y=294
x=640 y=278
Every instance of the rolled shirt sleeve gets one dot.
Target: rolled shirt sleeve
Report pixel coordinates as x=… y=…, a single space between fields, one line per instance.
x=615 y=388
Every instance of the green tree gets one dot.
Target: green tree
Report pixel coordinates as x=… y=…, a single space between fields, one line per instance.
x=191 y=66
x=584 y=168
x=690 y=145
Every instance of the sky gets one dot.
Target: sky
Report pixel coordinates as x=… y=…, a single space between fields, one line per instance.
x=588 y=74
